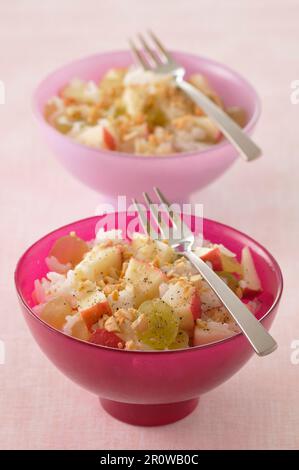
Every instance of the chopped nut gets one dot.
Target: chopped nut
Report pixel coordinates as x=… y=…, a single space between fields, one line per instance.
x=115 y=295
x=140 y=324
x=111 y=324
x=130 y=345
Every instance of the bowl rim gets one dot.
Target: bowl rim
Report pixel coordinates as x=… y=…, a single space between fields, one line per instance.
x=214 y=148
x=29 y=310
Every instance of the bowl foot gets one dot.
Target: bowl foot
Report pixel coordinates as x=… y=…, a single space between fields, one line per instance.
x=149 y=415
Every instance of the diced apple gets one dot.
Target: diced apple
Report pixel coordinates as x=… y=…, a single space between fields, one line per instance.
x=81 y=91
x=91 y=136
x=108 y=139
x=238 y=115
x=106 y=338
x=184 y=300
x=209 y=332
x=201 y=82
x=213 y=255
x=92 y=307
x=125 y=298
x=219 y=260
x=143 y=248
x=100 y=262
x=251 y=282
x=165 y=252
x=145 y=278
x=79 y=329
x=231 y=265
x=76 y=326
x=212 y=132
x=146 y=249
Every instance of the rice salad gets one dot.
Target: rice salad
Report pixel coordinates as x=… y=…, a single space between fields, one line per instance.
x=135 y=111
x=139 y=294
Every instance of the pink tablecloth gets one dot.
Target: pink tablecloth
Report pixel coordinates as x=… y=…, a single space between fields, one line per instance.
x=39 y=407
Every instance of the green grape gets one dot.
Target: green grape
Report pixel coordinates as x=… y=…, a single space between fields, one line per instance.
x=160 y=324
x=181 y=341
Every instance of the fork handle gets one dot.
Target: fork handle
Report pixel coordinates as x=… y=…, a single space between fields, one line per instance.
x=247 y=148
x=261 y=341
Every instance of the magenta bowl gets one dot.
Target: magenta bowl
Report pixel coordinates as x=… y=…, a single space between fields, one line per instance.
x=141 y=387
x=114 y=173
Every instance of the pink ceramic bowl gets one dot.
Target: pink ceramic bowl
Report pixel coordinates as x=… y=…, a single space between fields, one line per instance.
x=113 y=173
x=139 y=387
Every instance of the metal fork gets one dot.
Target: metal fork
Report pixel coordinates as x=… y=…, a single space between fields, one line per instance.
x=164 y=63
x=259 y=338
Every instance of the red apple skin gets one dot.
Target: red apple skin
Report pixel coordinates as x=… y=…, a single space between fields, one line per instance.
x=251 y=293
x=108 y=139
x=219 y=136
x=92 y=314
x=214 y=257
x=154 y=268
x=106 y=338
x=252 y=281
x=195 y=306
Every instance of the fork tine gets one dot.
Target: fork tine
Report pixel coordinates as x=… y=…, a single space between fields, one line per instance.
x=142 y=217
x=173 y=217
x=138 y=55
x=164 y=229
x=160 y=47
x=153 y=56
x=180 y=228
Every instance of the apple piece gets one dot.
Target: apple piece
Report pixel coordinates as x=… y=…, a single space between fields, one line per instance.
x=230 y=264
x=143 y=248
x=106 y=338
x=219 y=260
x=185 y=301
x=146 y=249
x=92 y=307
x=75 y=326
x=90 y=299
x=108 y=139
x=79 y=330
x=201 y=82
x=250 y=283
x=69 y=249
x=165 y=252
x=124 y=300
x=146 y=280
x=100 y=262
x=80 y=91
x=55 y=312
x=211 y=331
x=238 y=115
x=213 y=255
x=213 y=134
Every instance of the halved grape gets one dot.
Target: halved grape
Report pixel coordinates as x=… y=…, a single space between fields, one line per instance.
x=55 y=312
x=69 y=249
x=158 y=324
x=181 y=341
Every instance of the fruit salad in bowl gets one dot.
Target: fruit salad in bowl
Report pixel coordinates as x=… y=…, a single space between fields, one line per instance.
x=121 y=131
x=139 y=294
x=108 y=332
x=136 y=111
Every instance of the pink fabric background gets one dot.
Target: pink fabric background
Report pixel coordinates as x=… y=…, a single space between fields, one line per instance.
x=39 y=407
